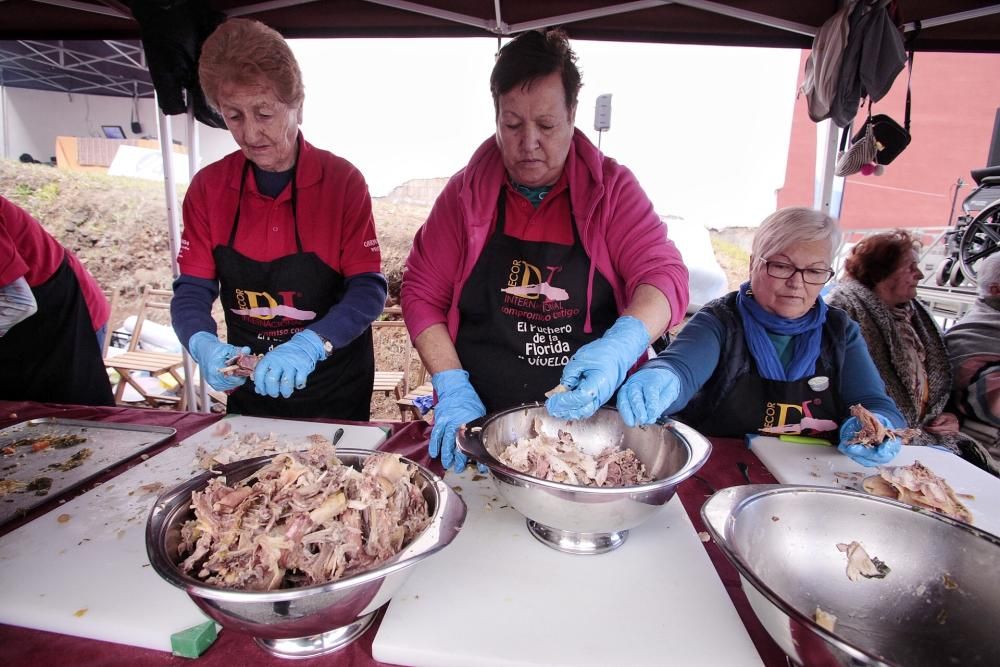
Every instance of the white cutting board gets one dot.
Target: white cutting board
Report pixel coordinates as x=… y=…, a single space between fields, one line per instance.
x=497 y=596
x=89 y=575
x=819 y=465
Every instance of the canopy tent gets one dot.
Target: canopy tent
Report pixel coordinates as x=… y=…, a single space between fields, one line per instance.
x=90 y=67
x=947 y=25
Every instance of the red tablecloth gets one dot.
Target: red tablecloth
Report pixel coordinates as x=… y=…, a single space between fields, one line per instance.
x=23 y=646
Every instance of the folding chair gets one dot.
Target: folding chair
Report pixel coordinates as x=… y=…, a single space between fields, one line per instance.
x=154 y=363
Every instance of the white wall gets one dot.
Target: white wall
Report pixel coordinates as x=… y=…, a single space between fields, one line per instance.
x=32 y=119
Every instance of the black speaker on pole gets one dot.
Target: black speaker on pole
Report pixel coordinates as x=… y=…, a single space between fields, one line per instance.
x=993 y=159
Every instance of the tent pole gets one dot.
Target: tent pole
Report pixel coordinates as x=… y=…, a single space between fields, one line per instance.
x=825 y=163
x=194 y=161
x=166 y=134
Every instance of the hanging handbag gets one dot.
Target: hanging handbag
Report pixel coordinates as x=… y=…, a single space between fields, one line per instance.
x=890 y=137
x=861 y=152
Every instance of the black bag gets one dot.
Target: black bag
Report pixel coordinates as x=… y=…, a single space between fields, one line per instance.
x=890 y=137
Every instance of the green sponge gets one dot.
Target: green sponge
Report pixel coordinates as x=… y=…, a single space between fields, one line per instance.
x=192 y=642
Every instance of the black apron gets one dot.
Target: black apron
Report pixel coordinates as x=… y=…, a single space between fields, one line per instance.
x=514 y=335
x=340 y=387
x=53 y=356
x=755 y=403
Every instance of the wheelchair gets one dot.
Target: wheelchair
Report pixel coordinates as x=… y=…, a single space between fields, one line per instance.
x=976 y=234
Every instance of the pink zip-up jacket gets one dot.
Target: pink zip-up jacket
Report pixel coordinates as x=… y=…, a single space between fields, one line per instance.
x=621 y=233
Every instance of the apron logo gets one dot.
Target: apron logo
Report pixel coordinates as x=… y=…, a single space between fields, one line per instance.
x=263 y=306
x=777 y=415
x=525 y=281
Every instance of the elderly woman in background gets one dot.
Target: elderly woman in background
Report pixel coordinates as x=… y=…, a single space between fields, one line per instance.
x=539 y=250
x=771 y=355
x=283 y=233
x=974 y=350
x=879 y=291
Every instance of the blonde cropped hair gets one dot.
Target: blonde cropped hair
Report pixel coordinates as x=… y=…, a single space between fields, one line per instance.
x=248 y=53
x=788 y=227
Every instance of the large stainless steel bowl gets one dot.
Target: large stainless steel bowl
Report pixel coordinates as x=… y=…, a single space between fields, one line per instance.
x=309 y=621
x=582 y=519
x=938 y=604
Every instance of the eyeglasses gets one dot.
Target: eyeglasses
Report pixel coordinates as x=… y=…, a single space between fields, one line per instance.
x=784 y=270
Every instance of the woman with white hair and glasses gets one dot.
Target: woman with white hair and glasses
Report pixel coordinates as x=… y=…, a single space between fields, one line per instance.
x=771 y=354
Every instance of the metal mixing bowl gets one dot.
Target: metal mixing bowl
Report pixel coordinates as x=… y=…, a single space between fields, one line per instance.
x=582 y=519
x=938 y=604
x=309 y=621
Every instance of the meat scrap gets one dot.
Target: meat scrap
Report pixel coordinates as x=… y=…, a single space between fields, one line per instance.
x=242 y=365
x=917 y=485
x=305 y=518
x=825 y=619
x=237 y=446
x=873 y=433
x=558 y=459
x=860 y=564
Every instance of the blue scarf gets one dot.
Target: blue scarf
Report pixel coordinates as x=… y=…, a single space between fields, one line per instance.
x=807 y=332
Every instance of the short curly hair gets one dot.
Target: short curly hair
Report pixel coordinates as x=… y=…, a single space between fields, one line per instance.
x=534 y=55
x=876 y=257
x=247 y=52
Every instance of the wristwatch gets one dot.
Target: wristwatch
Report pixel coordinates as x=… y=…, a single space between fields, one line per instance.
x=327 y=345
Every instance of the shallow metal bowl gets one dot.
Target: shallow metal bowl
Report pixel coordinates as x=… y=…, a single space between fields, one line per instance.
x=582 y=519
x=937 y=605
x=308 y=621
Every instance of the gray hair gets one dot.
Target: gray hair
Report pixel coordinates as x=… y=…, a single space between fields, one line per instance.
x=791 y=226
x=989 y=274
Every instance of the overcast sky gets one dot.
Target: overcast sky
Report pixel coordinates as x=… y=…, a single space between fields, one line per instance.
x=701 y=127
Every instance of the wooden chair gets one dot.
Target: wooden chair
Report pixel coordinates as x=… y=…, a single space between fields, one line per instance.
x=391 y=382
x=155 y=363
x=407 y=408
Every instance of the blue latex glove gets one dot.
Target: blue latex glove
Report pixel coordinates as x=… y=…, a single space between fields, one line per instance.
x=457 y=404
x=597 y=368
x=285 y=368
x=212 y=355
x=647 y=394
x=868 y=456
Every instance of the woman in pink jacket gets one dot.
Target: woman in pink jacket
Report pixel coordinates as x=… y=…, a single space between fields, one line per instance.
x=542 y=261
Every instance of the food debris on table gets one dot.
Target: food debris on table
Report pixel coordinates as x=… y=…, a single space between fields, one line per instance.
x=704 y=536
x=74 y=461
x=860 y=564
x=916 y=484
x=63 y=518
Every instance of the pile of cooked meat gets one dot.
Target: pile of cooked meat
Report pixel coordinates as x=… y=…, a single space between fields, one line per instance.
x=917 y=485
x=237 y=446
x=559 y=459
x=302 y=519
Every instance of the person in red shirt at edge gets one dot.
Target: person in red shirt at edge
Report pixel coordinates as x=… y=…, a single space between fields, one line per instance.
x=542 y=261
x=282 y=232
x=53 y=318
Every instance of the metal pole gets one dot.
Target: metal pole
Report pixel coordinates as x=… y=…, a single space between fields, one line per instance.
x=194 y=161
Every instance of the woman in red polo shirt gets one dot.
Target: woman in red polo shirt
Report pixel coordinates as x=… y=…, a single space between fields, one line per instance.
x=283 y=233
x=50 y=309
